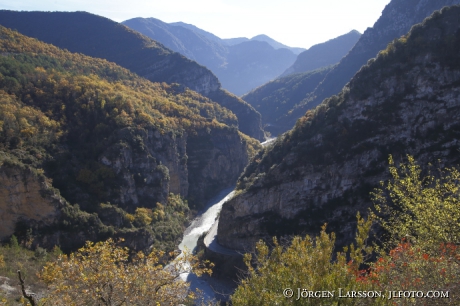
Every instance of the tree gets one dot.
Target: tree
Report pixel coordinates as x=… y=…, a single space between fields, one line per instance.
x=421 y=214
x=423 y=209
x=306 y=263
x=104 y=274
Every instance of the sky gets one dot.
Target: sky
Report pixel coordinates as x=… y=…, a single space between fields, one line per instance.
x=296 y=23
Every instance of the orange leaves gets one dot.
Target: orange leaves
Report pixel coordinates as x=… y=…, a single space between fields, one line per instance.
x=407 y=267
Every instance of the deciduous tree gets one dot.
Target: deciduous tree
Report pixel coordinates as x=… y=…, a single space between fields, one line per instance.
x=104 y=274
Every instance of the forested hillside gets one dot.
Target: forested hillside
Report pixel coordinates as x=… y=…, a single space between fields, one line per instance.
x=277 y=98
x=103 y=38
x=90 y=150
x=280 y=97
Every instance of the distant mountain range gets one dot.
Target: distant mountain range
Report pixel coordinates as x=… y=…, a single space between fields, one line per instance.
x=277 y=98
x=101 y=37
x=241 y=64
x=324 y=54
x=233 y=41
x=262 y=37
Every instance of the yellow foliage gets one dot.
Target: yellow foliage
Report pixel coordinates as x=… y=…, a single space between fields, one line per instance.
x=130 y=217
x=103 y=274
x=143 y=215
x=305 y=263
x=424 y=209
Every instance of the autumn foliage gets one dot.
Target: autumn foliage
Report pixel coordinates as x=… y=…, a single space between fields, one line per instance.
x=421 y=216
x=105 y=274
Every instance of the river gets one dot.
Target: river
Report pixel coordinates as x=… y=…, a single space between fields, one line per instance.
x=201 y=224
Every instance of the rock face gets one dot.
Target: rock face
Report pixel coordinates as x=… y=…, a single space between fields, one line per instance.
x=406 y=101
x=103 y=38
x=148 y=165
x=24 y=196
x=396 y=20
x=215 y=160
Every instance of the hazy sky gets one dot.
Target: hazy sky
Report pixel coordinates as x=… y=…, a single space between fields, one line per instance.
x=296 y=23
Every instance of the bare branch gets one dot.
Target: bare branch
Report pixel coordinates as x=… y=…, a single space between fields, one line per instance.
x=30 y=297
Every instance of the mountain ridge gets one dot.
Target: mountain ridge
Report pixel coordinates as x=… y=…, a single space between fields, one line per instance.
x=396 y=20
x=101 y=37
x=324 y=54
x=405 y=101
x=236 y=73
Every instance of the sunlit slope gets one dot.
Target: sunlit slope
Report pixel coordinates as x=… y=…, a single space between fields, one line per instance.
x=111 y=142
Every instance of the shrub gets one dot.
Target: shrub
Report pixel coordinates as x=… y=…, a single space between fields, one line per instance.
x=306 y=263
x=422 y=208
x=103 y=274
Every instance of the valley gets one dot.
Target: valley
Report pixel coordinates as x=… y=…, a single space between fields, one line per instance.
x=273 y=166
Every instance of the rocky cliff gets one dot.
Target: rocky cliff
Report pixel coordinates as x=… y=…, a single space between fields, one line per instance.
x=406 y=101
x=24 y=195
x=148 y=165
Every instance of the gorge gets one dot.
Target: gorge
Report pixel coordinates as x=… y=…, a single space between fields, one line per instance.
x=132 y=140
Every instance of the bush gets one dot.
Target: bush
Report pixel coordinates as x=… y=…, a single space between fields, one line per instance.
x=424 y=209
x=103 y=274
x=421 y=215
x=306 y=263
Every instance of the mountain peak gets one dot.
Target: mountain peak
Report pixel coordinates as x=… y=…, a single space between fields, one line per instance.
x=275 y=44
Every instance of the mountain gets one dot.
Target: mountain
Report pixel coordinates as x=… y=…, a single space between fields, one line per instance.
x=251 y=64
x=197 y=30
x=324 y=54
x=234 y=41
x=90 y=150
x=396 y=20
x=103 y=38
x=276 y=98
x=240 y=67
x=405 y=101
x=187 y=40
x=275 y=44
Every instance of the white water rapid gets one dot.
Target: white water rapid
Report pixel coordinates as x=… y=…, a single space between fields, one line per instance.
x=201 y=224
